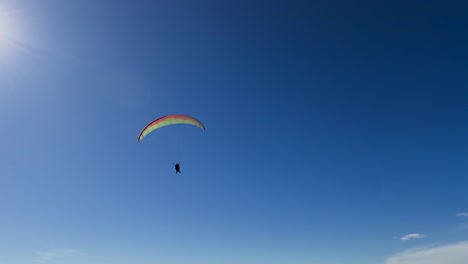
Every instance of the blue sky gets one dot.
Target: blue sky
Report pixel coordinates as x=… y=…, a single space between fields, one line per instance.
x=335 y=132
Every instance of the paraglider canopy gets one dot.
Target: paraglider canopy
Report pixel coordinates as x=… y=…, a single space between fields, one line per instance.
x=169 y=120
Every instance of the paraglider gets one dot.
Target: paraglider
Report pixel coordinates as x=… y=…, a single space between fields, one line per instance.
x=173 y=119
x=177 y=167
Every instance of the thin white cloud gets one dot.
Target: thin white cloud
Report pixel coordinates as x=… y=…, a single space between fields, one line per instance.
x=462 y=215
x=57 y=255
x=411 y=236
x=456 y=253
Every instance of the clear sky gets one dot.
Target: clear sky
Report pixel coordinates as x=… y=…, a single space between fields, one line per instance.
x=336 y=132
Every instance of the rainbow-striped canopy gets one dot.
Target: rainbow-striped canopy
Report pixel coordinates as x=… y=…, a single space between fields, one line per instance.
x=169 y=120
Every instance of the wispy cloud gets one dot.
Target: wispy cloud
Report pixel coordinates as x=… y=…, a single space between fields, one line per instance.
x=411 y=236
x=448 y=254
x=57 y=255
x=462 y=215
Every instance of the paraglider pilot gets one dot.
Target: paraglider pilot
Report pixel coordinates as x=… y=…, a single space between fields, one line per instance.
x=177 y=167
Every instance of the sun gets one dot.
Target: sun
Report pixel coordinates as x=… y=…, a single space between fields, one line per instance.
x=11 y=41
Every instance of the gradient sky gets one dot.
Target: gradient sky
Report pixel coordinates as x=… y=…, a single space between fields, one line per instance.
x=333 y=130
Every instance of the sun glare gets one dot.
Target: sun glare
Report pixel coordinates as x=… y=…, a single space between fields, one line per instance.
x=9 y=26
x=4 y=29
x=10 y=43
